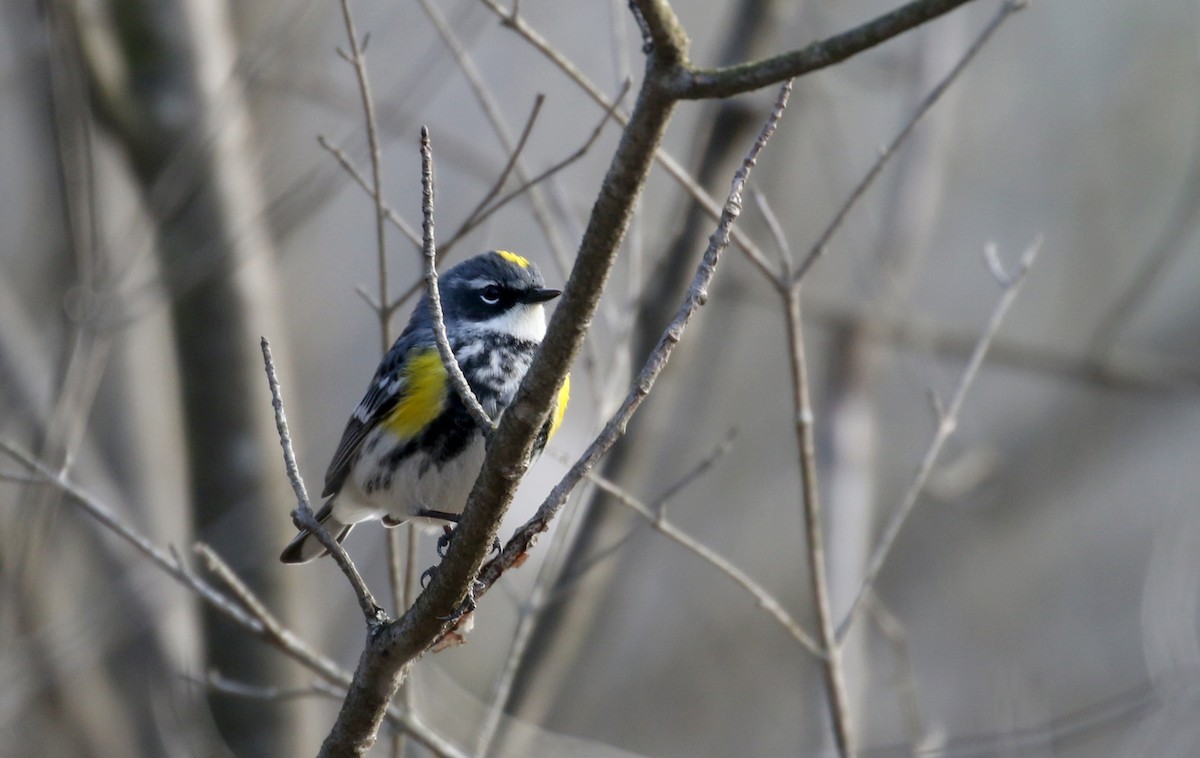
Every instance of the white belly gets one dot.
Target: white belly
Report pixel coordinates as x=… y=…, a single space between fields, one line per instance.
x=415 y=484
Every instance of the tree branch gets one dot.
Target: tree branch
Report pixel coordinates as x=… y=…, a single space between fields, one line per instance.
x=762 y=598
x=615 y=428
x=1007 y=8
x=814 y=529
x=457 y=378
x=359 y=63
x=303 y=515
x=747 y=77
x=947 y=422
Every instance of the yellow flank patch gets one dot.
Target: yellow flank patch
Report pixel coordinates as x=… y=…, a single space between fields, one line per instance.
x=560 y=406
x=423 y=396
x=513 y=258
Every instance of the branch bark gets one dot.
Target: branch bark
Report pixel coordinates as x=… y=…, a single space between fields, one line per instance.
x=746 y=77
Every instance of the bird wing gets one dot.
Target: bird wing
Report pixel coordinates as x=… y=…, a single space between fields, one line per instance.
x=389 y=388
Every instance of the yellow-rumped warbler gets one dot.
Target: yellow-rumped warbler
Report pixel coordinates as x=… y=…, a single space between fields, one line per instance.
x=411 y=451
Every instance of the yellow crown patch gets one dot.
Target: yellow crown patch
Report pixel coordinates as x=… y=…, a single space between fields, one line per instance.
x=513 y=258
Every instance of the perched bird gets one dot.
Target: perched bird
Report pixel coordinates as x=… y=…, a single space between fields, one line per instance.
x=411 y=451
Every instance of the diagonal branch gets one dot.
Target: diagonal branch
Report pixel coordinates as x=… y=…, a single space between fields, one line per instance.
x=659 y=523
x=347 y=166
x=947 y=422
x=476 y=216
x=1007 y=8
x=747 y=77
x=615 y=428
x=673 y=168
x=484 y=211
x=303 y=515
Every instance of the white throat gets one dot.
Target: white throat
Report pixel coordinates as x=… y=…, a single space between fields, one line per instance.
x=525 y=321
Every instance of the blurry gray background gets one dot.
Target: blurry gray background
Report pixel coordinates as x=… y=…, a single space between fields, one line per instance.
x=1046 y=584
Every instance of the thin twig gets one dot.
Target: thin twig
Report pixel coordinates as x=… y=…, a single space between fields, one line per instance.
x=20 y=478
x=776 y=229
x=906 y=686
x=494 y=113
x=303 y=515
x=248 y=613
x=478 y=216
x=457 y=378
x=359 y=63
x=219 y=683
x=673 y=168
x=1116 y=370
x=171 y=566
x=945 y=427
x=1007 y=8
x=522 y=635
x=698 y=470
x=696 y=296
x=565 y=583
x=218 y=567
x=814 y=529
x=540 y=597
x=396 y=580
x=659 y=522
x=406 y=724
x=361 y=181
x=473 y=218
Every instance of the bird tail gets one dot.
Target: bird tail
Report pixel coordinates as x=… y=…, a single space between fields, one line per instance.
x=305 y=547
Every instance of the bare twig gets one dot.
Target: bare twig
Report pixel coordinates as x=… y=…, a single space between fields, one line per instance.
x=6 y=476
x=494 y=113
x=482 y=213
x=945 y=427
x=1117 y=369
x=170 y=565
x=217 y=566
x=1007 y=8
x=776 y=229
x=109 y=520
x=248 y=612
x=540 y=597
x=615 y=428
x=1170 y=243
x=457 y=378
x=906 y=686
x=746 y=77
x=359 y=63
x=473 y=218
x=526 y=624
x=406 y=724
x=814 y=529
x=661 y=156
x=216 y=682
x=565 y=583
x=700 y=469
x=303 y=515
x=764 y=599
x=361 y=181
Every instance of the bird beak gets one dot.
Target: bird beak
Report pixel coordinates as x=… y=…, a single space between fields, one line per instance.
x=539 y=295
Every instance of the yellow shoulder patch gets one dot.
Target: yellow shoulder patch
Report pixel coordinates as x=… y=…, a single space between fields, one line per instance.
x=513 y=258
x=423 y=397
x=560 y=406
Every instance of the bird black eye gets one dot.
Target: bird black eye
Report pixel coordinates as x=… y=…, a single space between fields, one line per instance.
x=490 y=294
